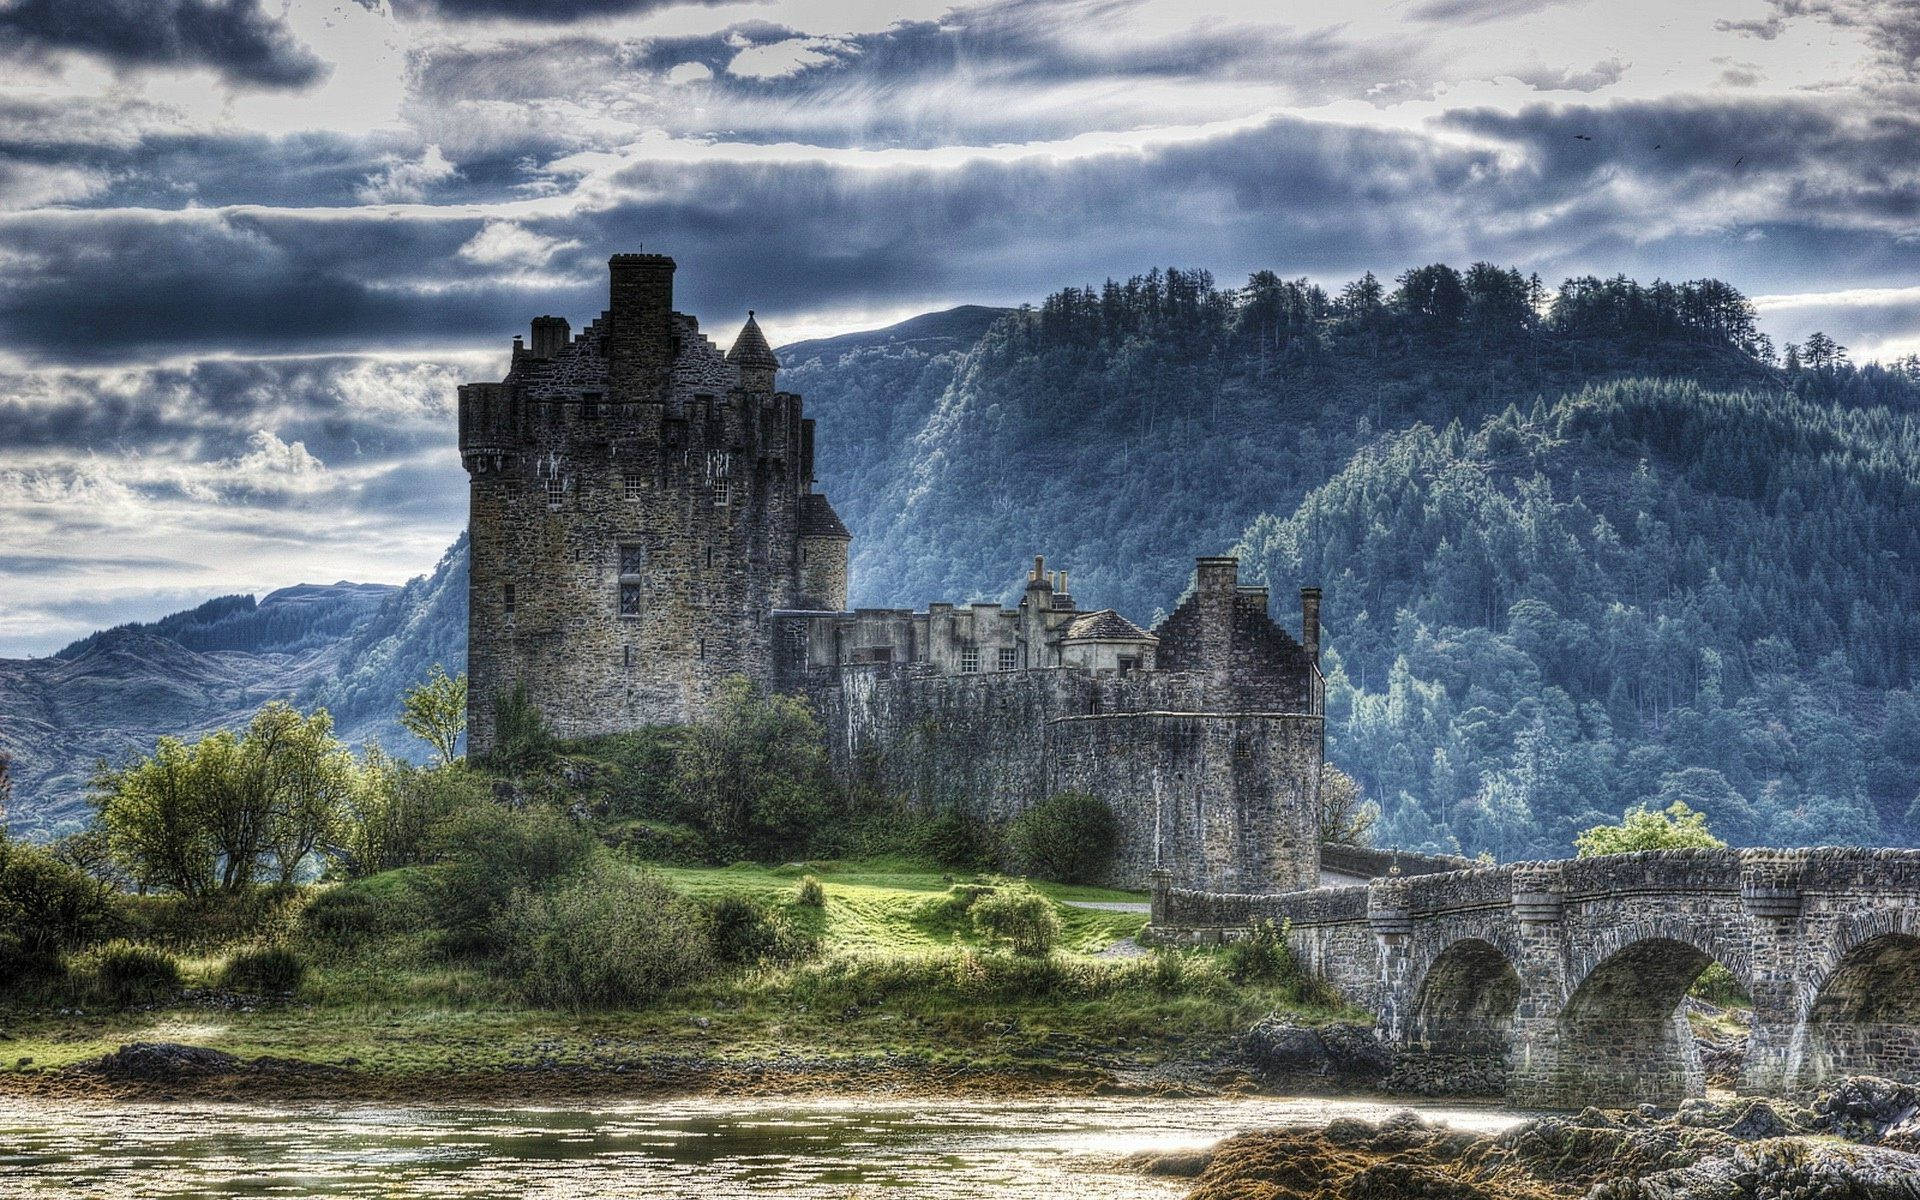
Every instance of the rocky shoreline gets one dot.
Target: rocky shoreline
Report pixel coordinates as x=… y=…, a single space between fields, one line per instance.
x=1858 y=1141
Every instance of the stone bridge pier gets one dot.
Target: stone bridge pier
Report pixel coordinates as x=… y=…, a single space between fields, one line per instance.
x=1571 y=978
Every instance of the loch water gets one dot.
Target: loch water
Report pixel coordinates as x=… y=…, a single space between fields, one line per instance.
x=713 y=1149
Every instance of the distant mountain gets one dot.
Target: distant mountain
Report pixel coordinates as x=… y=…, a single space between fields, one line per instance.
x=111 y=694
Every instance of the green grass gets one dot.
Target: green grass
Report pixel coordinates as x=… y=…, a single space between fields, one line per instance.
x=888 y=981
x=876 y=906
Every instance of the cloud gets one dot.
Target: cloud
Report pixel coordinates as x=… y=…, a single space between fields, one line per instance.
x=237 y=38
x=790 y=56
x=563 y=11
x=406 y=182
x=505 y=244
x=689 y=72
x=1602 y=74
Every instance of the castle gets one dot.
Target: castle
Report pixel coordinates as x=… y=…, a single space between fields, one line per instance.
x=644 y=526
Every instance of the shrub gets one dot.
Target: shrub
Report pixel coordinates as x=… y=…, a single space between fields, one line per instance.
x=389 y=819
x=123 y=974
x=746 y=931
x=345 y=916
x=755 y=768
x=488 y=853
x=268 y=969
x=1720 y=988
x=809 y=894
x=1070 y=837
x=48 y=905
x=1019 y=916
x=1263 y=956
x=952 y=910
x=521 y=737
x=608 y=937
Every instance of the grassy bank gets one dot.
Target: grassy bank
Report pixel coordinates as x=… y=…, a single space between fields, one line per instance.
x=893 y=985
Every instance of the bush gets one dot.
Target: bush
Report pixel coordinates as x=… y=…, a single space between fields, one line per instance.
x=389 y=819
x=521 y=737
x=348 y=915
x=1263 y=956
x=123 y=974
x=1070 y=837
x=609 y=937
x=1720 y=988
x=269 y=969
x=488 y=853
x=952 y=910
x=48 y=905
x=809 y=894
x=745 y=932
x=1019 y=916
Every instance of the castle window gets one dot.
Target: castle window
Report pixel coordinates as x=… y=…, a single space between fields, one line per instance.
x=970 y=658
x=633 y=580
x=1009 y=658
x=590 y=406
x=556 y=491
x=722 y=493
x=628 y=659
x=1129 y=665
x=506 y=600
x=631 y=485
x=553 y=413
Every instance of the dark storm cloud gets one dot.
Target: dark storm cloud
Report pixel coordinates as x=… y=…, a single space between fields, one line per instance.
x=57 y=564
x=1833 y=166
x=541 y=11
x=235 y=37
x=805 y=234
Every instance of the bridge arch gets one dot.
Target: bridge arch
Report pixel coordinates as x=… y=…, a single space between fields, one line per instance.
x=1464 y=1002
x=1864 y=1011
x=1623 y=1034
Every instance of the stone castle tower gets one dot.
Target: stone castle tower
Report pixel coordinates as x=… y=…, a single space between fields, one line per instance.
x=640 y=504
x=644 y=527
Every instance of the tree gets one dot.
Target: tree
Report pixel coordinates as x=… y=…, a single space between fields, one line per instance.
x=1675 y=827
x=754 y=768
x=153 y=814
x=1069 y=837
x=1346 y=816
x=45 y=904
x=436 y=712
x=310 y=778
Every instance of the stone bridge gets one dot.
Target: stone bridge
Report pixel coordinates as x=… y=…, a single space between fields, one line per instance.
x=1572 y=975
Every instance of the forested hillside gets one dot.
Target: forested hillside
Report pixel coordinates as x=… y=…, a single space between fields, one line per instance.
x=1125 y=429
x=1582 y=548
x=1643 y=592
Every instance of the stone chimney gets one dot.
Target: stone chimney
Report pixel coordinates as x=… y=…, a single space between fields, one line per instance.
x=1310 y=621
x=550 y=336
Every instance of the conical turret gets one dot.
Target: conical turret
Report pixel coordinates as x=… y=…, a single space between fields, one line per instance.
x=754 y=357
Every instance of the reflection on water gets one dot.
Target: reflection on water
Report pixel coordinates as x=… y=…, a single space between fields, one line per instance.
x=1057 y=1149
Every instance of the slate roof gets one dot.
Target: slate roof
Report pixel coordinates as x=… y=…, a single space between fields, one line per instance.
x=750 y=349
x=817 y=518
x=1106 y=625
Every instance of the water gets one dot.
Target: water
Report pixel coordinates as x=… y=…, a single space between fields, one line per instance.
x=712 y=1149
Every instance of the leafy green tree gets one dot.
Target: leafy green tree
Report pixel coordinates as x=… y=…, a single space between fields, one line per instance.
x=311 y=776
x=1346 y=817
x=756 y=769
x=436 y=712
x=389 y=818
x=154 y=815
x=521 y=737
x=1675 y=827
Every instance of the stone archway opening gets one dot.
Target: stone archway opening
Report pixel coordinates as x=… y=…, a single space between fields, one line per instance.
x=1865 y=1020
x=1461 y=1026
x=1624 y=1036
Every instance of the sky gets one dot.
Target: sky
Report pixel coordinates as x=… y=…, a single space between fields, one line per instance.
x=249 y=247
